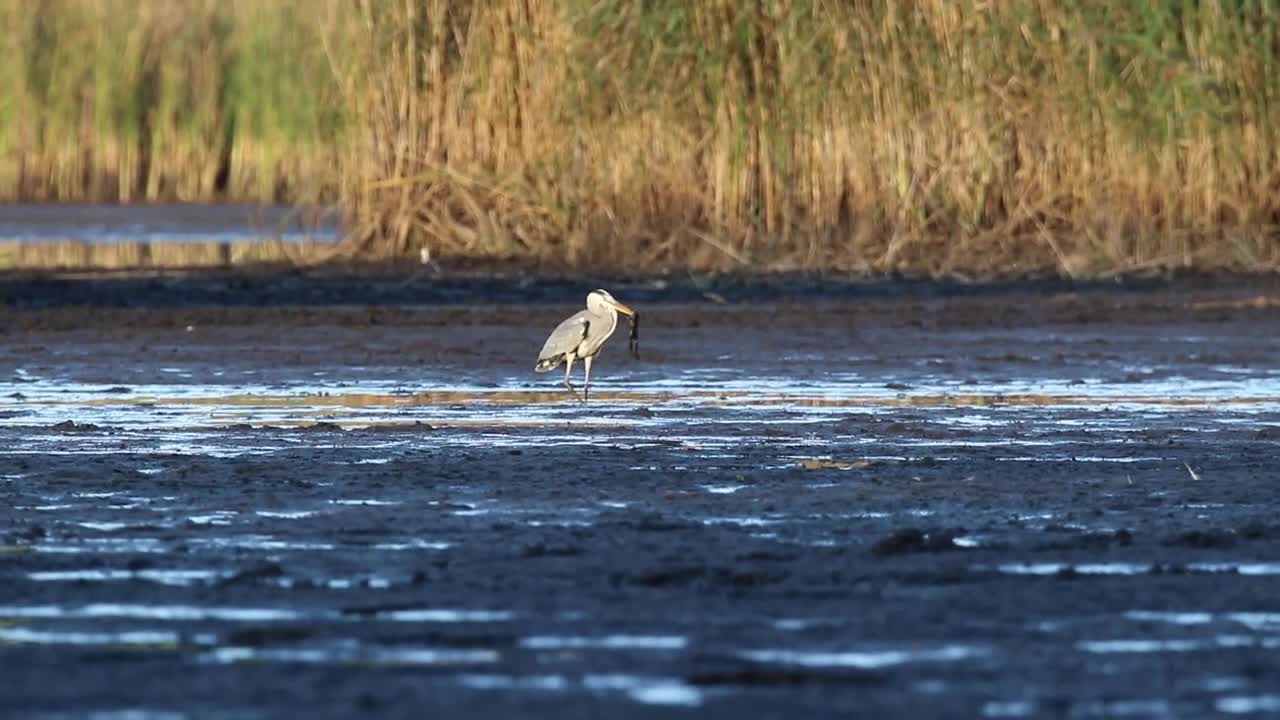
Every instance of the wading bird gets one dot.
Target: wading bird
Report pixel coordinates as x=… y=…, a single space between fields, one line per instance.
x=582 y=335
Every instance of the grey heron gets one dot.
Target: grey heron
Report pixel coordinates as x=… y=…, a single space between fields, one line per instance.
x=581 y=336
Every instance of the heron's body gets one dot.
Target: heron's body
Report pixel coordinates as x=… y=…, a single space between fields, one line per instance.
x=580 y=337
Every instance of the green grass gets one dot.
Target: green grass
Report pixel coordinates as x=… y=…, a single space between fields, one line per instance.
x=140 y=100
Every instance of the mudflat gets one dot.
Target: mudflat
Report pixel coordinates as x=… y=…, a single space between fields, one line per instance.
x=295 y=495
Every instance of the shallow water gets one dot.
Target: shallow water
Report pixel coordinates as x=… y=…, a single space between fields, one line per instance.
x=179 y=222
x=176 y=413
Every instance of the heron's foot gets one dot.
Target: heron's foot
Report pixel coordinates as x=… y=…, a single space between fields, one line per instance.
x=572 y=390
x=586 y=393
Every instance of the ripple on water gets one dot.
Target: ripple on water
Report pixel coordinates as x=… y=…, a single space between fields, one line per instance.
x=514 y=682
x=1157 y=707
x=103 y=546
x=1257 y=621
x=137 y=714
x=352 y=655
x=745 y=521
x=103 y=526
x=1175 y=645
x=646 y=690
x=217 y=517
x=30 y=636
x=414 y=544
x=607 y=642
x=446 y=615
x=722 y=489
x=168 y=613
x=1259 y=568
x=286 y=514
x=640 y=689
x=1008 y=709
x=795 y=624
x=1054 y=568
x=559 y=523
x=1248 y=704
x=259 y=542
x=868 y=659
x=177 y=578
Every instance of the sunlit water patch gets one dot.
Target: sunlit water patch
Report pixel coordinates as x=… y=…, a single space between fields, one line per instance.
x=1248 y=704
x=1057 y=568
x=446 y=615
x=30 y=636
x=103 y=526
x=352 y=654
x=174 y=577
x=1242 y=568
x=866 y=659
x=186 y=411
x=1176 y=645
x=285 y=514
x=1008 y=709
x=607 y=642
x=413 y=544
x=640 y=689
x=163 y=223
x=1256 y=621
x=1137 y=708
x=213 y=545
x=123 y=545
x=193 y=613
x=722 y=489
x=553 y=683
x=167 y=613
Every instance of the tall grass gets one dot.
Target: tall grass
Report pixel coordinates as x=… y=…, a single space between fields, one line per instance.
x=143 y=100
x=937 y=136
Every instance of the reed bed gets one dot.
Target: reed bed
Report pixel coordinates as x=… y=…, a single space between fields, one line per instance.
x=159 y=255
x=151 y=101
x=961 y=137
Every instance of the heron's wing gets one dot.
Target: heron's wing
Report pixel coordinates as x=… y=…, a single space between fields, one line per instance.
x=567 y=336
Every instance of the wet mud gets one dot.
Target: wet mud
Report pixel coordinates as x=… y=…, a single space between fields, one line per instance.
x=828 y=500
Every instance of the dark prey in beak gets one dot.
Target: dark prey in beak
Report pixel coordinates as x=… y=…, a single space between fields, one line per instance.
x=633 y=340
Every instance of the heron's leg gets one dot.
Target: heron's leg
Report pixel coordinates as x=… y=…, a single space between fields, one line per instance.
x=586 y=382
x=568 y=368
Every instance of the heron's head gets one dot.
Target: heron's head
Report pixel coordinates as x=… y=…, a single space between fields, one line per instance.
x=602 y=299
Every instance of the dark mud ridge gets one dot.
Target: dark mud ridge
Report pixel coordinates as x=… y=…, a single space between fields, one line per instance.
x=399 y=284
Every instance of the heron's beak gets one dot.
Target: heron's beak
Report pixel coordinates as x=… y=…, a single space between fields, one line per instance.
x=623 y=309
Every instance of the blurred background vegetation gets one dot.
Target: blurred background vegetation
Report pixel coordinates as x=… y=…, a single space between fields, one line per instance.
x=965 y=137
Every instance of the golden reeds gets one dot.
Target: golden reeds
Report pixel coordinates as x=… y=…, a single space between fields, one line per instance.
x=931 y=136
x=926 y=136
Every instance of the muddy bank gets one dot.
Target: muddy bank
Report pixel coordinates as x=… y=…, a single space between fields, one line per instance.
x=516 y=283
x=612 y=575
x=1021 y=503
